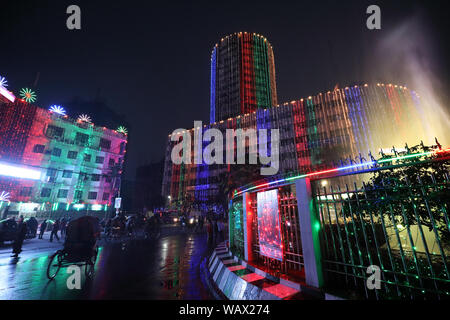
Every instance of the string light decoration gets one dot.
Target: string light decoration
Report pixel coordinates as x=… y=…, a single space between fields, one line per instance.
x=4 y=196
x=57 y=109
x=3 y=82
x=84 y=118
x=269 y=232
x=28 y=95
x=122 y=130
x=24 y=165
x=252 y=86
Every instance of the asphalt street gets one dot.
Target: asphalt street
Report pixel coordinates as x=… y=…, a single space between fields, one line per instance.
x=165 y=268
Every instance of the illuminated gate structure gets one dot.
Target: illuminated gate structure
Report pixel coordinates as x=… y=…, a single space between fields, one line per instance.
x=331 y=230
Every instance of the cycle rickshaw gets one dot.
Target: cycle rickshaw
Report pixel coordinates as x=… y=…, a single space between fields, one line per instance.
x=80 y=247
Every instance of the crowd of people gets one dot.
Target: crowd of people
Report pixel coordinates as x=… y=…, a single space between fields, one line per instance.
x=22 y=229
x=215 y=227
x=54 y=226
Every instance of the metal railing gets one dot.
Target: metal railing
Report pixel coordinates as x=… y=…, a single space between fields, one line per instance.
x=292 y=262
x=394 y=222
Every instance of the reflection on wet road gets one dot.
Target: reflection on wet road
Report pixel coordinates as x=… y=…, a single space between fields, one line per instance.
x=168 y=268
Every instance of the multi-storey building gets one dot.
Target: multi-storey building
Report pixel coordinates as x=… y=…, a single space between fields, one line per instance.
x=316 y=133
x=51 y=162
x=242 y=76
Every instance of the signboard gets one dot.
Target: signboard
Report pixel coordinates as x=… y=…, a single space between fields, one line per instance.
x=117 y=203
x=269 y=232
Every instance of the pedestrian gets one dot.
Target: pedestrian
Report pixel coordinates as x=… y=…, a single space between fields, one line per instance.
x=42 y=229
x=129 y=226
x=55 y=231
x=108 y=227
x=223 y=228
x=200 y=223
x=20 y=236
x=209 y=232
x=63 y=226
x=215 y=231
x=157 y=224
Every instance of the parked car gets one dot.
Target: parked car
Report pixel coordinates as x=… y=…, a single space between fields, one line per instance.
x=8 y=230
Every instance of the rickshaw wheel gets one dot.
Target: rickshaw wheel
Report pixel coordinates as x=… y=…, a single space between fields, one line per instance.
x=90 y=264
x=54 y=265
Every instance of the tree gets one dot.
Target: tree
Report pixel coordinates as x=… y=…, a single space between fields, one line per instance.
x=238 y=176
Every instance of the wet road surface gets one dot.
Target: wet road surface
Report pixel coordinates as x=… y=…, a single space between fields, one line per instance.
x=167 y=268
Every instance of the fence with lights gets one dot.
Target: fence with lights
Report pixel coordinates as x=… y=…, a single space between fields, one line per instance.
x=326 y=228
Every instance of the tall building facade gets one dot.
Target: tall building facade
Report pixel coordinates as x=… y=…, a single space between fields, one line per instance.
x=51 y=162
x=242 y=76
x=319 y=132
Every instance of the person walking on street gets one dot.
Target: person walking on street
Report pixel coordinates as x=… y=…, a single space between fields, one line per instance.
x=42 y=229
x=200 y=223
x=219 y=231
x=63 y=226
x=209 y=231
x=55 y=231
x=215 y=231
x=18 y=242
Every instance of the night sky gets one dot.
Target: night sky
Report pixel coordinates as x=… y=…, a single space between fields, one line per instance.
x=150 y=62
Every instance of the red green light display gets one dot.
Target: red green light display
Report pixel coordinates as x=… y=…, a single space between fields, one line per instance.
x=269 y=233
x=28 y=95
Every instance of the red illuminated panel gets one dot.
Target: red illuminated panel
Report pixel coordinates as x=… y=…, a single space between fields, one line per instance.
x=270 y=243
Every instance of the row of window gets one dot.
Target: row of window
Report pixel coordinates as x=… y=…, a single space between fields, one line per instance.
x=39 y=148
x=53 y=173
x=62 y=193
x=80 y=138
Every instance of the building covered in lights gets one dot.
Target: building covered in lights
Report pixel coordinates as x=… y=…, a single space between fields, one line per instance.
x=242 y=76
x=316 y=133
x=50 y=162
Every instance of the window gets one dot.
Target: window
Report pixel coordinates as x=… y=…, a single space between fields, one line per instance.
x=78 y=194
x=38 y=148
x=62 y=193
x=45 y=192
x=82 y=177
x=95 y=177
x=112 y=162
x=105 y=196
x=105 y=143
x=87 y=157
x=25 y=192
x=99 y=159
x=92 y=195
x=67 y=174
x=82 y=139
x=122 y=147
x=54 y=131
x=56 y=152
x=72 y=154
x=51 y=172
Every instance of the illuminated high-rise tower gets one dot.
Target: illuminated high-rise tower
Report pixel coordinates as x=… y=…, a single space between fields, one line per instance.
x=242 y=76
